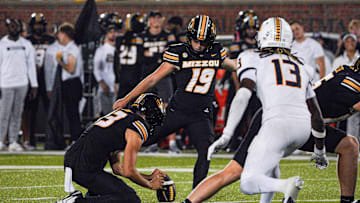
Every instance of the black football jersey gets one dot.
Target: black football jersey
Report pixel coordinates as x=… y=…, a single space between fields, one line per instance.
x=154 y=47
x=237 y=47
x=128 y=59
x=105 y=135
x=195 y=79
x=40 y=46
x=181 y=37
x=338 y=92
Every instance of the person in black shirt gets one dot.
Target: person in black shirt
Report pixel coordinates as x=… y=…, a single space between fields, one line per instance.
x=195 y=64
x=40 y=39
x=174 y=25
x=121 y=130
x=129 y=54
x=338 y=95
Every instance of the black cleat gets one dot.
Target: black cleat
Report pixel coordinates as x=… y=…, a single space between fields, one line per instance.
x=72 y=197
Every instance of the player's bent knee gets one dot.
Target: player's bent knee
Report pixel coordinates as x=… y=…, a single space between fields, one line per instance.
x=352 y=144
x=248 y=185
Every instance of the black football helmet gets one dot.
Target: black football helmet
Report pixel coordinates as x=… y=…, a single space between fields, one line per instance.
x=37 y=18
x=201 y=28
x=151 y=106
x=246 y=19
x=241 y=16
x=14 y=26
x=135 y=22
x=110 y=21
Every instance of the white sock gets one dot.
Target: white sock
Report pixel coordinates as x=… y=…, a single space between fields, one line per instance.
x=172 y=143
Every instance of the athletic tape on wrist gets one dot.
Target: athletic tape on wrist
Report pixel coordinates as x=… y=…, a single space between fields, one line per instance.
x=318 y=134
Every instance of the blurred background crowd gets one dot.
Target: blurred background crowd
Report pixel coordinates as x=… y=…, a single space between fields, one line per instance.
x=57 y=76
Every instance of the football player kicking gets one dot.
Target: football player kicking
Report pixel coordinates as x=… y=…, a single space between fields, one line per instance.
x=283 y=86
x=196 y=63
x=338 y=96
x=121 y=130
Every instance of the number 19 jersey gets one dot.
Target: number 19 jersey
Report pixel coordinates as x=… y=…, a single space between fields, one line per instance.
x=195 y=78
x=282 y=84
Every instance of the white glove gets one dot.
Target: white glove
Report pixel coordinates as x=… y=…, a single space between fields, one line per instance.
x=218 y=144
x=321 y=161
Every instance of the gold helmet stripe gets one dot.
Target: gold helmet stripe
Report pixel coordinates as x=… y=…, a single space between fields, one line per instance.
x=37 y=17
x=251 y=21
x=202 y=27
x=140 y=98
x=277 y=29
x=128 y=26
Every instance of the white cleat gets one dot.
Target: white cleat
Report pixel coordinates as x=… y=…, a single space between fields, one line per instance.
x=15 y=147
x=293 y=188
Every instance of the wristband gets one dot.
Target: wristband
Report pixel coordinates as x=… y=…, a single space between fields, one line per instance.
x=318 y=134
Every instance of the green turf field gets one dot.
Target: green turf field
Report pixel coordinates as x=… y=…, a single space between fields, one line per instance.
x=39 y=178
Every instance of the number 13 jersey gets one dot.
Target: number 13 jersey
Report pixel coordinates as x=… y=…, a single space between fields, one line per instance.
x=282 y=84
x=195 y=77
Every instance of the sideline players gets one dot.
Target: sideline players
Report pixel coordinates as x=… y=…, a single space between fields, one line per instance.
x=129 y=54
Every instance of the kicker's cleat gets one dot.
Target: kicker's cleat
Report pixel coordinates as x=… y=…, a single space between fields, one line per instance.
x=72 y=197
x=293 y=188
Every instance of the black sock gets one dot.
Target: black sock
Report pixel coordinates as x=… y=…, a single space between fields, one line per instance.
x=186 y=201
x=346 y=199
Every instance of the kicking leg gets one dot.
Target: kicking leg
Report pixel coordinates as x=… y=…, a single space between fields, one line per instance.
x=214 y=183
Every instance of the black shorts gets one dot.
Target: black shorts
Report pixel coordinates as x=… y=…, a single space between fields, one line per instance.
x=333 y=138
x=197 y=124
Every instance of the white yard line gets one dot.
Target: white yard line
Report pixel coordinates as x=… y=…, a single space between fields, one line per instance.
x=30 y=187
x=28 y=199
x=158 y=154
x=9 y=167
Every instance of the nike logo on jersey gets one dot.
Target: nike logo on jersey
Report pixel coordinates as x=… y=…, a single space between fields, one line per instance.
x=201 y=63
x=213 y=55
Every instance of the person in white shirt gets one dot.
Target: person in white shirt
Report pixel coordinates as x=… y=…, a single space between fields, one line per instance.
x=104 y=69
x=17 y=67
x=50 y=64
x=309 y=50
x=69 y=58
x=347 y=51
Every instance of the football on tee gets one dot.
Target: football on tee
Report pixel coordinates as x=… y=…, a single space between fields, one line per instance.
x=168 y=191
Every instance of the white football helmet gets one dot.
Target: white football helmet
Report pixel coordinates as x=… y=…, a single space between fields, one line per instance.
x=275 y=32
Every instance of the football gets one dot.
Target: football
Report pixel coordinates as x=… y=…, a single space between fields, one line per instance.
x=168 y=191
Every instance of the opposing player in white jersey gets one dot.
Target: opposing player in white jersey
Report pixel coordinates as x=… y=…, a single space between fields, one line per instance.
x=283 y=86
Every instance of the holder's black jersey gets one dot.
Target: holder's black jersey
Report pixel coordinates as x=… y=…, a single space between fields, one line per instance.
x=338 y=92
x=104 y=136
x=237 y=47
x=195 y=78
x=40 y=46
x=128 y=59
x=154 y=47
